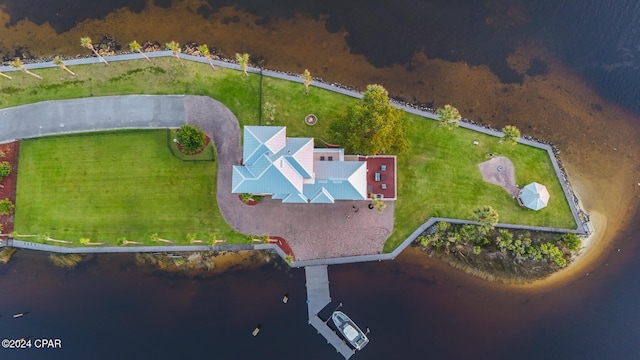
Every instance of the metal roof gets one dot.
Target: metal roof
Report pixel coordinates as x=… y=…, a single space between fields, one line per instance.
x=284 y=167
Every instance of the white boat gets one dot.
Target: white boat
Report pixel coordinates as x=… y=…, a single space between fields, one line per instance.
x=350 y=330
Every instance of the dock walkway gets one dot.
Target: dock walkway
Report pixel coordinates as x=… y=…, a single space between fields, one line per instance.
x=318 y=297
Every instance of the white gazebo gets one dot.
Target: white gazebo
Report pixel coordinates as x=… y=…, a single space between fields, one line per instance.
x=534 y=196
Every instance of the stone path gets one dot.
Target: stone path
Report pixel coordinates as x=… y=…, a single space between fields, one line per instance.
x=314 y=231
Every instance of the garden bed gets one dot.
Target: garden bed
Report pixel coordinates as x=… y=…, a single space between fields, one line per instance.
x=10 y=153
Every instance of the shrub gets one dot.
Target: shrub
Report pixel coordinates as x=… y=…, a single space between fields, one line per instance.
x=191 y=138
x=5 y=169
x=571 y=241
x=6 y=207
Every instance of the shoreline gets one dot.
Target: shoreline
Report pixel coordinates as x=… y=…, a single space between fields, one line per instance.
x=340 y=89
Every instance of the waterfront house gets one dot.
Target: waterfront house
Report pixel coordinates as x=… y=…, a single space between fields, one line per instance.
x=292 y=170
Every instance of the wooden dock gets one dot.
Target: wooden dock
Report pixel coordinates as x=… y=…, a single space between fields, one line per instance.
x=318 y=297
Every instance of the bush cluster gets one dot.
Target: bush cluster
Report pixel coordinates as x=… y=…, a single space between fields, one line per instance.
x=191 y=138
x=6 y=207
x=471 y=238
x=5 y=169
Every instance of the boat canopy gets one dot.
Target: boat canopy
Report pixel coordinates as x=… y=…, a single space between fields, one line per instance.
x=350 y=332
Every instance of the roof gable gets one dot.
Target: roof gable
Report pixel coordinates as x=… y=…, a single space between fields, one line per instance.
x=322 y=197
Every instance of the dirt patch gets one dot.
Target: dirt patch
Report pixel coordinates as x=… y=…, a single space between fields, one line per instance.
x=9 y=152
x=500 y=171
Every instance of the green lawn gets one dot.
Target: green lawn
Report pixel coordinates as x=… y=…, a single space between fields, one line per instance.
x=107 y=186
x=439 y=175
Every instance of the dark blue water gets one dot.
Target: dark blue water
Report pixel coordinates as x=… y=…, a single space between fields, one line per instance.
x=109 y=308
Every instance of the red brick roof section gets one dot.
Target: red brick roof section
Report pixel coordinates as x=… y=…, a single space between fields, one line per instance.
x=375 y=164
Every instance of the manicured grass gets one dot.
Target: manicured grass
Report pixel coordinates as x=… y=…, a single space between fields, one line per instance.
x=439 y=176
x=239 y=93
x=108 y=186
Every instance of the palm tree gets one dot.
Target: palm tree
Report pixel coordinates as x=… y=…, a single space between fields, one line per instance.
x=124 y=241
x=14 y=234
x=306 y=76
x=5 y=75
x=87 y=242
x=243 y=61
x=86 y=43
x=175 y=49
x=192 y=238
x=510 y=134
x=449 y=116
x=379 y=204
x=135 y=47
x=204 y=50
x=155 y=237
x=58 y=61
x=487 y=216
x=17 y=63
x=214 y=239
x=47 y=238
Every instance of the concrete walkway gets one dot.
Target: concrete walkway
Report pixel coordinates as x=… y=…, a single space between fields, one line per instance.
x=314 y=231
x=91 y=114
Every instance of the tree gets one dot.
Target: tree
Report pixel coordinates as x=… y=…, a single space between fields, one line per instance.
x=156 y=238
x=204 y=50
x=124 y=242
x=487 y=217
x=134 y=46
x=372 y=126
x=449 y=116
x=87 y=242
x=510 y=134
x=17 y=63
x=306 y=76
x=243 y=61
x=58 y=61
x=175 y=49
x=571 y=241
x=191 y=138
x=86 y=42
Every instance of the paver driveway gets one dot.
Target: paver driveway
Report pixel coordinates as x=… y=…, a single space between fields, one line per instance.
x=314 y=231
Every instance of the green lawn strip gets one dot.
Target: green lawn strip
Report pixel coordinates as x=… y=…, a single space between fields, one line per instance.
x=439 y=176
x=292 y=106
x=162 y=76
x=108 y=186
x=207 y=154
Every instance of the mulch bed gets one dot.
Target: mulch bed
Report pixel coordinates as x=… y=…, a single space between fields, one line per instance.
x=249 y=202
x=282 y=243
x=8 y=189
